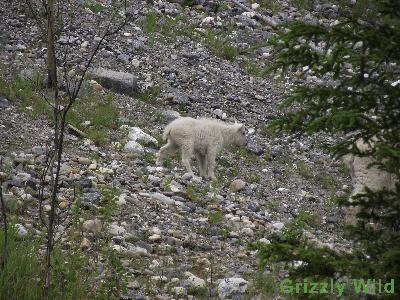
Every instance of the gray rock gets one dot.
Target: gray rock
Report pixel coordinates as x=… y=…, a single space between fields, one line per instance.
x=93 y=226
x=177 y=97
x=193 y=282
x=123 y=58
x=91 y=197
x=21 y=231
x=187 y=176
x=232 y=287
x=119 y=82
x=162 y=198
x=136 y=252
x=138 y=44
x=38 y=150
x=85 y=183
x=237 y=185
x=4 y=103
x=134 y=147
x=170 y=115
x=138 y=135
x=255 y=148
x=254 y=207
x=278 y=225
x=219 y=113
x=116 y=230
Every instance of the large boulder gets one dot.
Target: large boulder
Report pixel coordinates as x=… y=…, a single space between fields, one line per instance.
x=232 y=288
x=119 y=82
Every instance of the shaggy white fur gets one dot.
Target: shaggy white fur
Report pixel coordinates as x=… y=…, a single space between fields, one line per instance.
x=203 y=138
x=362 y=176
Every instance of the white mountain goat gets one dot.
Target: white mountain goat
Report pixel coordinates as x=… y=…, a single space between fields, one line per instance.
x=203 y=138
x=364 y=176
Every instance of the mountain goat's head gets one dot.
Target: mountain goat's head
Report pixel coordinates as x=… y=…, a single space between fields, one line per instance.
x=239 y=135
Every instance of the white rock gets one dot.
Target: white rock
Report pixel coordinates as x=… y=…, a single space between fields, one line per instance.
x=278 y=225
x=135 y=147
x=207 y=20
x=92 y=166
x=104 y=170
x=85 y=244
x=155 y=238
x=114 y=229
x=84 y=161
x=237 y=185
x=21 y=230
x=232 y=287
x=93 y=226
x=135 y=134
x=121 y=200
x=162 y=198
x=249 y=14
x=179 y=291
x=137 y=252
x=247 y=231
x=155 y=230
x=135 y=62
x=159 y=278
x=264 y=241
x=193 y=281
x=118 y=248
x=24 y=176
x=255 y=6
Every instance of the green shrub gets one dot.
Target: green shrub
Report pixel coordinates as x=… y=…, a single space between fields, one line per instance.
x=215 y=217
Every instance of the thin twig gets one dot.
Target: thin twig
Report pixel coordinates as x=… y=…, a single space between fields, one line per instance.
x=4 y=214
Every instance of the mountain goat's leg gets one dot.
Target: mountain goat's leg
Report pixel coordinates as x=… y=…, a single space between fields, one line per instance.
x=201 y=160
x=187 y=153
x=166 y=150
x=211 y=156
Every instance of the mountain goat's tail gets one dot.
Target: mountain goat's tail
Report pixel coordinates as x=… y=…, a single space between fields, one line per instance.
x=166 y=132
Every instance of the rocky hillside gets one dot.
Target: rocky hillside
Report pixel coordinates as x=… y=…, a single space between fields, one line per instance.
x=175 y=235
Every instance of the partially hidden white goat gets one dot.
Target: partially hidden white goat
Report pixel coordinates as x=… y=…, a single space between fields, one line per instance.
x=202 y=138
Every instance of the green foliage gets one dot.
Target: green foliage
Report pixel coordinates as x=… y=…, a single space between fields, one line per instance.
x=167 y=163
x=357 y=96
x=150 y=22
x=149 y=157
x=215 y=217
x=254 y=68
x=264 y=284
x=25 y=93
x=115 y=281
x=19 y=278
x=188 y=2
x=303 y=4
x=272 y=5
x=220 y=45
x=108 y=203
x=23 y=273
x=150 y=94
x=94 y=6
x=99 y=110
x=306 y=218
x=304 y=170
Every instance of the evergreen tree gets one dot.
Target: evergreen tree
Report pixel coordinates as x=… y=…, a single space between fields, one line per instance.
x=356 y=61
